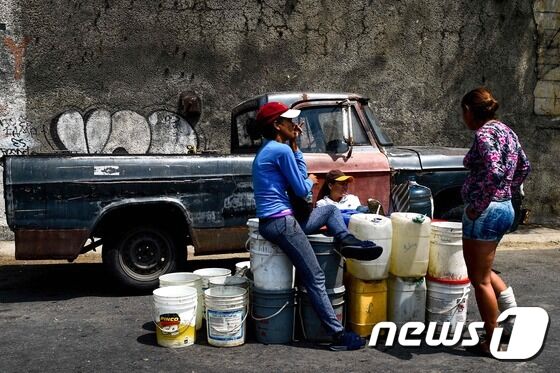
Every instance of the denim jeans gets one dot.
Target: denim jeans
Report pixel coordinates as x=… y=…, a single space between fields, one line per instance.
x=492 y=224
x=291 y=237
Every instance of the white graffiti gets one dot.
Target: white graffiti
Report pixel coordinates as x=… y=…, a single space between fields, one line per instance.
x=125 y=131
x=16 y=136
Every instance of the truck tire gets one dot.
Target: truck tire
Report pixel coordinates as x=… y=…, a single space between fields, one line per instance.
x=139 y=255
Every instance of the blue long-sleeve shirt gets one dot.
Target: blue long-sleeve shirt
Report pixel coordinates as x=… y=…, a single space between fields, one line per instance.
x=275 y=168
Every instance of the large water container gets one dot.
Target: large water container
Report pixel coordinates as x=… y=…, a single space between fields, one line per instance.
x=367 y=303
x=446 y=252
x=420 y=199
x=406 y=299
x=410 y=247
x=375 y=228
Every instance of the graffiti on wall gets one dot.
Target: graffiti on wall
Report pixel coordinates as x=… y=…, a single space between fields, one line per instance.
x=16 y=136
x=125 y=131
x=18 y=51
x=547 y=90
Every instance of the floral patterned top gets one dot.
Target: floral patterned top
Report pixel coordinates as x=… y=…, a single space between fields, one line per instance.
x=497 y=163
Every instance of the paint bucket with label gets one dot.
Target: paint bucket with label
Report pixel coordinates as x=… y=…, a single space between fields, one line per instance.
x=447 y=301
x=226 y=314
x=312 y=328
x=190 y=280
x=329 y=260
x=406 y=299
x=274 y=313
x=446 y=252
x=174 y=314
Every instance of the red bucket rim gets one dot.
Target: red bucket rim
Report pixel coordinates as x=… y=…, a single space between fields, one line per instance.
x=449 y=281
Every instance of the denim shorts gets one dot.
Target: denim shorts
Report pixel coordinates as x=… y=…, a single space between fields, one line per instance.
x=492 y=224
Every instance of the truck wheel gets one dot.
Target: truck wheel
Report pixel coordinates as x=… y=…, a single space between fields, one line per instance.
x=140 y=255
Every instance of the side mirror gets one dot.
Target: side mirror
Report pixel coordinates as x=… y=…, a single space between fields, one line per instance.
x=337 y=146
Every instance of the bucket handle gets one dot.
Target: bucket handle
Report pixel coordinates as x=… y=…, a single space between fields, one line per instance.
x=234 y=330
x=156 y=324
x=454 y=307
x=271 y=316
x=247 y=247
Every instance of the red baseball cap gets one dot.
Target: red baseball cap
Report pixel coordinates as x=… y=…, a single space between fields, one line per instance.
x=271 y=111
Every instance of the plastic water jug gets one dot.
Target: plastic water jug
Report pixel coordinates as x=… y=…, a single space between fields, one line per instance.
x=410 y=244
x=406 y=299
x=375 y=228
x=420 y=199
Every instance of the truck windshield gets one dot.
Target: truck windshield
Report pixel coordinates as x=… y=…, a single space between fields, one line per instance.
x=379 y=133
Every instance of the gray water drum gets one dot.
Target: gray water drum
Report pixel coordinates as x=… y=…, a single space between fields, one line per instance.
x=329 y=260
x=273 y=312
x=313 y=329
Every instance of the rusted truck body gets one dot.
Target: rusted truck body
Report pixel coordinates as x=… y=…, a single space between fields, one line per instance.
x=145 y=209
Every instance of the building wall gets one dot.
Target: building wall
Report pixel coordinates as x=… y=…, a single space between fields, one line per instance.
x=96 y=76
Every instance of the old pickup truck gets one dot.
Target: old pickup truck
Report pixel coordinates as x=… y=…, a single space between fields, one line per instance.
x=146 y=209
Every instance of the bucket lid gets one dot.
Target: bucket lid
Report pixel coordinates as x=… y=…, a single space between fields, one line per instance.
x=320 y=238
x=447 y=226
x=446 y=281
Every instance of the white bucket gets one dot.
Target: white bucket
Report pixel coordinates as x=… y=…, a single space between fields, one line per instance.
x=271 y=268
x=190 y=280
x=447 y=302
x=446 y=252
x=241 y=282
x=406 y=299
x=226 y=313
x=410 y=248
x=253 y=225
x=175 y=315
x=242 y=267
x=208 y=273
x=375 y=228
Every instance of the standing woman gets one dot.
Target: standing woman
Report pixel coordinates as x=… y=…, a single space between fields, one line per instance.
x=498 y=165
x=277 y=168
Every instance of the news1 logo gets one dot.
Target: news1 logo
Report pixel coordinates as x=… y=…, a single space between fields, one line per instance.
x=526 y=340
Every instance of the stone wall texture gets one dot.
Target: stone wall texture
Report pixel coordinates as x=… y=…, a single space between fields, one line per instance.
x=105 y=75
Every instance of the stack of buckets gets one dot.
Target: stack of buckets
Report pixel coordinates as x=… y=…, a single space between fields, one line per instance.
x=272 y=294
x=331 y=263
x=447 y=281
x=366 y=281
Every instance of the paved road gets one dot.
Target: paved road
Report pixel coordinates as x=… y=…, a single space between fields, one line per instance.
x=71 y=317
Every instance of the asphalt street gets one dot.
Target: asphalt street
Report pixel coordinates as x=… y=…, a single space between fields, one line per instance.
x=71 y=317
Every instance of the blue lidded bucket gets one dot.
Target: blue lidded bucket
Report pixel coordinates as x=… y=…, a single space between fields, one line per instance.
x=274 y=313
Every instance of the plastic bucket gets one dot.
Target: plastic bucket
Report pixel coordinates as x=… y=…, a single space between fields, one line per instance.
x=406 y=299
x=226 y=313
x=313 y=329
x=410 y=247
x=241 y=268
x=274 y=313
x=241 y=282
x=375 y=228
x=446 y=252
x=174 y=314
x=207 y=273
x=329 y=260
x=187 y=279
x=367 y=303
x=447 y=301
x=271 y=268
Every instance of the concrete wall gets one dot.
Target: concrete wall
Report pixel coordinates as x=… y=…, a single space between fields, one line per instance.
x=94 y=76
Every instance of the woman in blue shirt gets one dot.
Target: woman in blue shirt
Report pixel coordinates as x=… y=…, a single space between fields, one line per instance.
x=277 y=168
